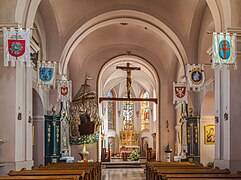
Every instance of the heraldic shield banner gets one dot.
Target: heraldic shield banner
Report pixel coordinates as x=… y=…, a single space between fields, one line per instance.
x=46 y=73
x=179 y=92
x=65 y=90
x=195 y=76
x=224 y=49
x=16 y=46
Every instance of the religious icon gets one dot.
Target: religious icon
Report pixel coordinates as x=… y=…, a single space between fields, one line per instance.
x=209 y=134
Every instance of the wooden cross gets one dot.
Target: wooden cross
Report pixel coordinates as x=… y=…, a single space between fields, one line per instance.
x=128 y=69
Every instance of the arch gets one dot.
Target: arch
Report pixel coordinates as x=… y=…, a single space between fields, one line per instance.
x=38 y=125
x=221 y=12
x=38 y=108
x=155 y=82
x=146 y=66
x=25 y=12
x=119 y=16
x=207 y=108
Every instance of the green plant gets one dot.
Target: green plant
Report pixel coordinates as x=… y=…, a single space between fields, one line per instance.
x=135 y=155
x=210 y=164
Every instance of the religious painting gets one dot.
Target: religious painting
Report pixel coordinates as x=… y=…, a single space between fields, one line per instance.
x=209 y=134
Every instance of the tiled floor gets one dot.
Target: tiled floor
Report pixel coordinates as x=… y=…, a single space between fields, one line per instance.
x=123 y=174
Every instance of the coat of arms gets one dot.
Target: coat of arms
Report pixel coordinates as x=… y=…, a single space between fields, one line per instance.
x=16 y=48
x=46 y=74
x=180 y=91
x=195 y=76
x=64 y=90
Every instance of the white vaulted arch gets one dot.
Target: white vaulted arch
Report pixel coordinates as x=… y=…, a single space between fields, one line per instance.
x=107 y=80
x=120 y=16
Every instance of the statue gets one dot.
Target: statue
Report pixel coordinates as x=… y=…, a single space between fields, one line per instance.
x=128 y=70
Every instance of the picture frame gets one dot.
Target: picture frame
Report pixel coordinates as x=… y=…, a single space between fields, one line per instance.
x=209 y=134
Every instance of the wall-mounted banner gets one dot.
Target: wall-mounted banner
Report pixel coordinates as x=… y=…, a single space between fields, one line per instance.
x=224 y=49
x=46 y=73
x=16 y=46
x=64 y=90
x=195 y=76
x=179 y=92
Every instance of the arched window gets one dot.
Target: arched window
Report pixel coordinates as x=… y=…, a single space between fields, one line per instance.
x=145 y=112
x=111 y=112
x=128 y=119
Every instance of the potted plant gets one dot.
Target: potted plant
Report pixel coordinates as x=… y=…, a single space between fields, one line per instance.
x=135 y=155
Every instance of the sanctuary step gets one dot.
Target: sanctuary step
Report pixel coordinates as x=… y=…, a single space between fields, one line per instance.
x=123 y=164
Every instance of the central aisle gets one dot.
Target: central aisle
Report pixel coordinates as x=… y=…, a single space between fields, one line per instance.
x=123 y=174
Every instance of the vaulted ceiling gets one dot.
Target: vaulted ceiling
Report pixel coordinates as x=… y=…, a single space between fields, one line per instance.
x=63 y=18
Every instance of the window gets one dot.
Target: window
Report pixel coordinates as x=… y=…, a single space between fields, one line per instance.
x=145 y=112
x=128 y=115
x=111 y=112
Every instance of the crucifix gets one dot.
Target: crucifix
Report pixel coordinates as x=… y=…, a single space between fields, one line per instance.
x=128 y=70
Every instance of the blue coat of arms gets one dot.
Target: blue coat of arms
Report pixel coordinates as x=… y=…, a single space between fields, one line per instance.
x=196 y=76
x=224 y=49
x=46 y=74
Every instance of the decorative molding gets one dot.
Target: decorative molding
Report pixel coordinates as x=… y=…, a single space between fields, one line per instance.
x=37 y=117
x=34 y=46
x=233 y=30
x=210 y=119
x=209 y=81
x=5 y=24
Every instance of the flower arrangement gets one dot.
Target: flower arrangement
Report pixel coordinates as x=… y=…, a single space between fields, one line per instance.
x=135 y=155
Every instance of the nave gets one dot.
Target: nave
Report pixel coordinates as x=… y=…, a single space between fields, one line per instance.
x=110 y=81
x=123 y=174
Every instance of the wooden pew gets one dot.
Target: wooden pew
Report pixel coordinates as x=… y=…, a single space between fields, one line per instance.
x=96 y=172
x=160 y=174
x=83 y=174
x=82 y=164
x=198 y=176
x=156 y=170
x=68 y=177
x=93 y=170
x=150 y=166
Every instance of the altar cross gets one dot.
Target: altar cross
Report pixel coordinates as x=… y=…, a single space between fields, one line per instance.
x=128 y=69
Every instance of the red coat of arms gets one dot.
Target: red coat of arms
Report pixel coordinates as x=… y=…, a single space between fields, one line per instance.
x=64 y=90
x=180 y=91
x=16 y=47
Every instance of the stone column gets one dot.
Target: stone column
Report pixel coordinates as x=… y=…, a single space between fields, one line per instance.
x=16 y=114
x=228 y=114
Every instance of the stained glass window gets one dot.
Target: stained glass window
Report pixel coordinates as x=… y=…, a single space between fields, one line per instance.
x=128 y=115
x=111 y=112
x=145 y=112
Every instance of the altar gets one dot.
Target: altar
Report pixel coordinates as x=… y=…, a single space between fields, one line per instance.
x=128 y=138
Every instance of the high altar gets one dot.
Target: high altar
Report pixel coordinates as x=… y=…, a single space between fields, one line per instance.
x=128 y=140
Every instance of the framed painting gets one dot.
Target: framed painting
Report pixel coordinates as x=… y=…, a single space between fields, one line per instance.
x=209 y=134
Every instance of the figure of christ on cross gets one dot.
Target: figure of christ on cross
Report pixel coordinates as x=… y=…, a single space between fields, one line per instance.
x=128 y=69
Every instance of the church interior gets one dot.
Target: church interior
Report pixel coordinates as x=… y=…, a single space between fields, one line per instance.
x=120 y=84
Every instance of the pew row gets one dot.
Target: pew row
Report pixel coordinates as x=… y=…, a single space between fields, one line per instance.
x=68 y=177
x=200 y=176
x=83 y=174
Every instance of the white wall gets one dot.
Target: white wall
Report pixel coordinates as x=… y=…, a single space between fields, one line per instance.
x=206 y=150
